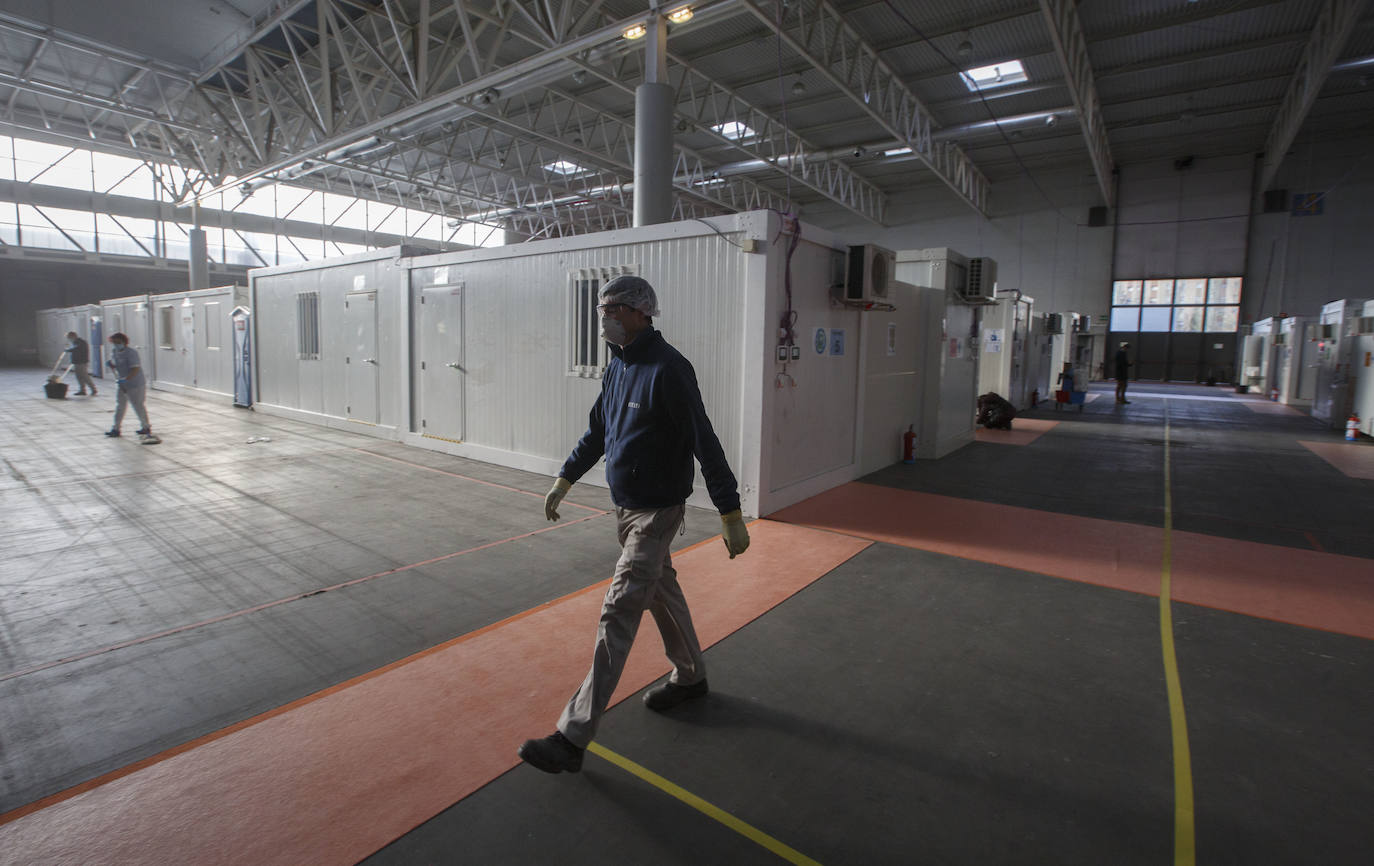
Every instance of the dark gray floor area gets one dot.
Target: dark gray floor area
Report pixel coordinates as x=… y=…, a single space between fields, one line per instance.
x=1016 y=719
x=1235 y=473
x=107 y=542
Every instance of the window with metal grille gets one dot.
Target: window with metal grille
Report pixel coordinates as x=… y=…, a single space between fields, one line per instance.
x=587 y=353
x=308 y=326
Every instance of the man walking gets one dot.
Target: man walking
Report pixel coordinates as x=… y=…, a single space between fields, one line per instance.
x=80 y=351
x=649 y=422
x=131 y=383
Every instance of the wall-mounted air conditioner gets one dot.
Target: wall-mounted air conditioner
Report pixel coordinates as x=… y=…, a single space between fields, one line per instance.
x=1054 y=323
x=1280 y=339
x=870 y=274
x=1328 y=331
x=982 y=280
x=1365 y=325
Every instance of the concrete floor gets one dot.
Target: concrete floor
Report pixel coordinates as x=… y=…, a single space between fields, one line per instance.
x=909 y=706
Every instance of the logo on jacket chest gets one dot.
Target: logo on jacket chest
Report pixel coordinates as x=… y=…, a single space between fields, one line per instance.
x=633 y=404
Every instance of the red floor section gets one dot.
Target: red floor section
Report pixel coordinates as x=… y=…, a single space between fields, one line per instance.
x=1303 y=587
x=336 y=776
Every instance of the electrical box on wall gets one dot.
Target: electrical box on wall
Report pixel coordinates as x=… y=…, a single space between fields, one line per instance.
x=870 y=273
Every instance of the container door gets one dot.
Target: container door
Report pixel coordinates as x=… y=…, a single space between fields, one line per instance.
x=187 y=312
x=442 y=375
x=360 y=365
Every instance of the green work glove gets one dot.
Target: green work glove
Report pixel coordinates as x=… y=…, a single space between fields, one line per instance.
x=561 y=486
x=734 y=532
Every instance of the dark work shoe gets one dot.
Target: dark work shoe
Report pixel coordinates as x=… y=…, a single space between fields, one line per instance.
x=114 y=432
x=670 y=694
x=553 y=754
x=144 y=431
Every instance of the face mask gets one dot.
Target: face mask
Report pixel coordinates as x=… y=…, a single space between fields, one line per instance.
x=613 y=331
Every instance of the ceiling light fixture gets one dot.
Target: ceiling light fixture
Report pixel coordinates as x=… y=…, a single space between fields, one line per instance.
x=635 y=32
x=680 y=15
x=798 y=87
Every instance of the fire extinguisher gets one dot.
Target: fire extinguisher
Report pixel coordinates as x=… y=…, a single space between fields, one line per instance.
x=1352 y=428
x=1035 y=397
x=1274 y=394
x=909 y=445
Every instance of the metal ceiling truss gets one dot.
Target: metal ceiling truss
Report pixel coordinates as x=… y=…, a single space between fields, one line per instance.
x=818 y=32
x=1329 y=35
x=1072 y=50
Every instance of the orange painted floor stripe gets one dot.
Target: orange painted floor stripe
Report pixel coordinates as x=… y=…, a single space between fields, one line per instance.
x=1304 y=587
x=1355 y=459
x=1023 y=431
x=335 y=777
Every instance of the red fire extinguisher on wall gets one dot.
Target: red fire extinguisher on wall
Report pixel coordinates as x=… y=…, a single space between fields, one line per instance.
x=1352 y=428
x=909 y=445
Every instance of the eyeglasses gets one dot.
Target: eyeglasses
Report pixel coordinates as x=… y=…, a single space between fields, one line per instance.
x=613 y=309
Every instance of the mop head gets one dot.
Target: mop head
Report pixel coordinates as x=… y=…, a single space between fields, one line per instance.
x=54 y=378
x=149 y=439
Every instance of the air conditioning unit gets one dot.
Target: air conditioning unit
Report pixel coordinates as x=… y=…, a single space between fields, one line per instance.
x=870 y=273
x=1328 y=331
x=1365 y=325
x=1280 y=339
x=1054 y=323
x=982 y=280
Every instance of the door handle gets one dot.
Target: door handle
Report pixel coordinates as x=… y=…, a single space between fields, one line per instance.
x=454 y=366
x=372 y=361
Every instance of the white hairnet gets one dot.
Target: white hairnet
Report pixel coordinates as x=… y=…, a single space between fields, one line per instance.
x=633 y=292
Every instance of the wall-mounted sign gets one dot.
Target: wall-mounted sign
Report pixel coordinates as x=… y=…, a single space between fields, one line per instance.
x=837 y=341
x=821 y=342
x=891 y=338
x=992 y=341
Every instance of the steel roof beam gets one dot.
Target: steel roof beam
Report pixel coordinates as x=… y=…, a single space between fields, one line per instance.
x=1334 y=24
x=1072 y=50
x=819 y=33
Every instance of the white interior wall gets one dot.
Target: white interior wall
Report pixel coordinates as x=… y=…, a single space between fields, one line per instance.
x=1176 y=221
x=891 y=383
x=1037 y=232
x=1299 y=263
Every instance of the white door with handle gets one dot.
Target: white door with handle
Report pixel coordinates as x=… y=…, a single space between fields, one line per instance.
x=361 y=363
x=442 y=376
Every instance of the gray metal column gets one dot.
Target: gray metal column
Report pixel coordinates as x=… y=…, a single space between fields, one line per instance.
x=653 y=192
x=200 y=260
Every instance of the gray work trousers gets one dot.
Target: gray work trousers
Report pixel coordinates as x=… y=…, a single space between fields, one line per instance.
x=644 y=580
x=135 y=395
x=83 y=376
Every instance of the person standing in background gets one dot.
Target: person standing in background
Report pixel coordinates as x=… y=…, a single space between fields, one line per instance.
x=132 y=384
x=80 y=351
x=1123 y=372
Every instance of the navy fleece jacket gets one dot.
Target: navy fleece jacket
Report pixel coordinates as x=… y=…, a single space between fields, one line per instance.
x=649 y=422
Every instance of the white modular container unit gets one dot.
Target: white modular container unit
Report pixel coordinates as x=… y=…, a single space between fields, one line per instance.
x=1004 y=352
x=54 y=324
x=192 y=333
x=1362 y=367
x=1331 y=401
x=132 y=317
x=947 y=366
x=1296 y=355
x=52 y=328
x=1261 y=357
x=331 y=342
x=494 y=354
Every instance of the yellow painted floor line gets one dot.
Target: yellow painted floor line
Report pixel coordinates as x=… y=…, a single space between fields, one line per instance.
x=1185 y=846
x=748 y=831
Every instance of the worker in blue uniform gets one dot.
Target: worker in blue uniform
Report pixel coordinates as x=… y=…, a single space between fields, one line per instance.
x=132 y=385
x=649 y=423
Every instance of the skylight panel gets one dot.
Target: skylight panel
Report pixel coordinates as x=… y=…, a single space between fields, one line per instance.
x=734 y=130
x=996 y=75
x=565 y=168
